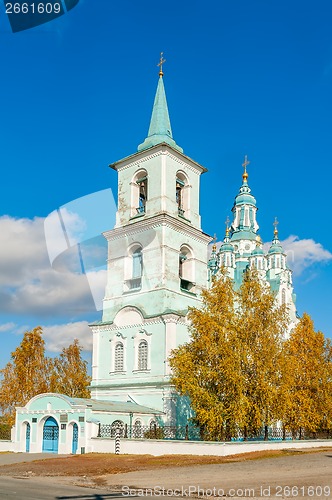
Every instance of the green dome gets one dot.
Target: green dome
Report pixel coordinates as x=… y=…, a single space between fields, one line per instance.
x=226 y=247
x=243 y=234
x=275 y=248
x=257 y=251
x=243 y=198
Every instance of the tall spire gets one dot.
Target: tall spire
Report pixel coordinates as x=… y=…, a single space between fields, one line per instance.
x=160 y=126
x=244 y=225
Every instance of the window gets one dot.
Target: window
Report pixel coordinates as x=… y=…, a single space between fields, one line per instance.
x=142 y=194
x=137 y=263
x=142 y=355
x=179 y=195
x=246 y=217
x=139 y=193
x=186 y=269
x=134 y=269
x=182 y=194
x=119 y=357
x=283 y=296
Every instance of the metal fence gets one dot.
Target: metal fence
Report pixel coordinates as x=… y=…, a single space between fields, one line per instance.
x=192 y=433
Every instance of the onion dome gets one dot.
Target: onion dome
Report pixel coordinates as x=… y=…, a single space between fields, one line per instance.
x=213 y=260
x=259 y=247
x=245 y=195
x=276 y=245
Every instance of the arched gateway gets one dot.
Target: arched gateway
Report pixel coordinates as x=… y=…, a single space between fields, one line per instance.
x=50 y=436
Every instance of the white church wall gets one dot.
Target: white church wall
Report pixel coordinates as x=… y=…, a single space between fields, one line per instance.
x=7 y=446
x=164 y=447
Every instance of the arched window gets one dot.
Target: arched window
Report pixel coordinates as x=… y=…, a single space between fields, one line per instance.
x=119 y=357
x=182 y=194
x=142 y=355
x=139 y=193
x=142 y=194
x=186 y=269
x=137 y=263
x=134 y=269
x=283 y=296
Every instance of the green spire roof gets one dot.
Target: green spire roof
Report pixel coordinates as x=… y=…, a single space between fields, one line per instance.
x=160 y=126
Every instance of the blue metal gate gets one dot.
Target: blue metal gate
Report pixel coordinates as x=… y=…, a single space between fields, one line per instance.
x=27 y=438
x=50 y=436
x=75 y=439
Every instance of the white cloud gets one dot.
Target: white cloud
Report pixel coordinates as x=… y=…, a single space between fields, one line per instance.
x=59 y=336
x=302 y=254
x=5 y=327
x=28 y=283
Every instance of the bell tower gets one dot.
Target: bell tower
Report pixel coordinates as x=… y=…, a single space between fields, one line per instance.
x=157 y=267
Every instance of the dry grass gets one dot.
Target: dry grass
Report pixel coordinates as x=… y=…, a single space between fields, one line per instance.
x=94 y=464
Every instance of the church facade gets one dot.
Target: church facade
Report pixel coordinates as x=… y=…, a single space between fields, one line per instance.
x=157 y=266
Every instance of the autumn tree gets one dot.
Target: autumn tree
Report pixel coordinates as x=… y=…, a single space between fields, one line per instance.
x=261 y=327
x=71 y=376
x=26 y=375
x=229 y=368
x=306 y=391
x=30 y=372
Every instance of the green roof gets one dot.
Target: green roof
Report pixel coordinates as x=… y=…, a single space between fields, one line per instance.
x=160 y=125
x=110 y=406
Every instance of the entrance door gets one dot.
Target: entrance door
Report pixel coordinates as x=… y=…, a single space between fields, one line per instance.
x=27 y=438
x=75 y=439
x=50 y=436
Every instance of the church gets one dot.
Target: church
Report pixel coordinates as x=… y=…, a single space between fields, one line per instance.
x=158 y=263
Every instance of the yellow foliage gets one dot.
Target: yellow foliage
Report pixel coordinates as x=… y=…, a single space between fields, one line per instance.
x=229 y=367
x=30 y=373
x=306 y=389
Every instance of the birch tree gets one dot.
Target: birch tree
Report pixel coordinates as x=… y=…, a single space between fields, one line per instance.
x=306 y=390
x=230 y=367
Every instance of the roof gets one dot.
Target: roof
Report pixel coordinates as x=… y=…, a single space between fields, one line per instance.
x=113 y=406
x=66 y=402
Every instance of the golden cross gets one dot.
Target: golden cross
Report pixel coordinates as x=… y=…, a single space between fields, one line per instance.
x=275 y=225
x=227 y=221
x=160 y=64
x=245 y=163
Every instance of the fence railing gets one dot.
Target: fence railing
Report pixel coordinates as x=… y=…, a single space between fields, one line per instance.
x=192 y=433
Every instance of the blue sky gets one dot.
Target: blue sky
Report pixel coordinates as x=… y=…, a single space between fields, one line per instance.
x=242 y=77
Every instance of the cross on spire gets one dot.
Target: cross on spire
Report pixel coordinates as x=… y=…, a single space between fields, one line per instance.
x=244 y=165
x=275 y=224
x=227 y=221
x=160 y=64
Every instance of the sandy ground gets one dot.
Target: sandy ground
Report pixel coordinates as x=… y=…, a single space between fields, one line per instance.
x=297 y=474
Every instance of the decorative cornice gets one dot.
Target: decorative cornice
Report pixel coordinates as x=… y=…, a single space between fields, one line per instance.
x=158 y=150
x=158 y=220
x=160 y=319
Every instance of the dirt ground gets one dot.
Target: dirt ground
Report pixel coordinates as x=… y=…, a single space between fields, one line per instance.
x=281 y=474
x=98 y=465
